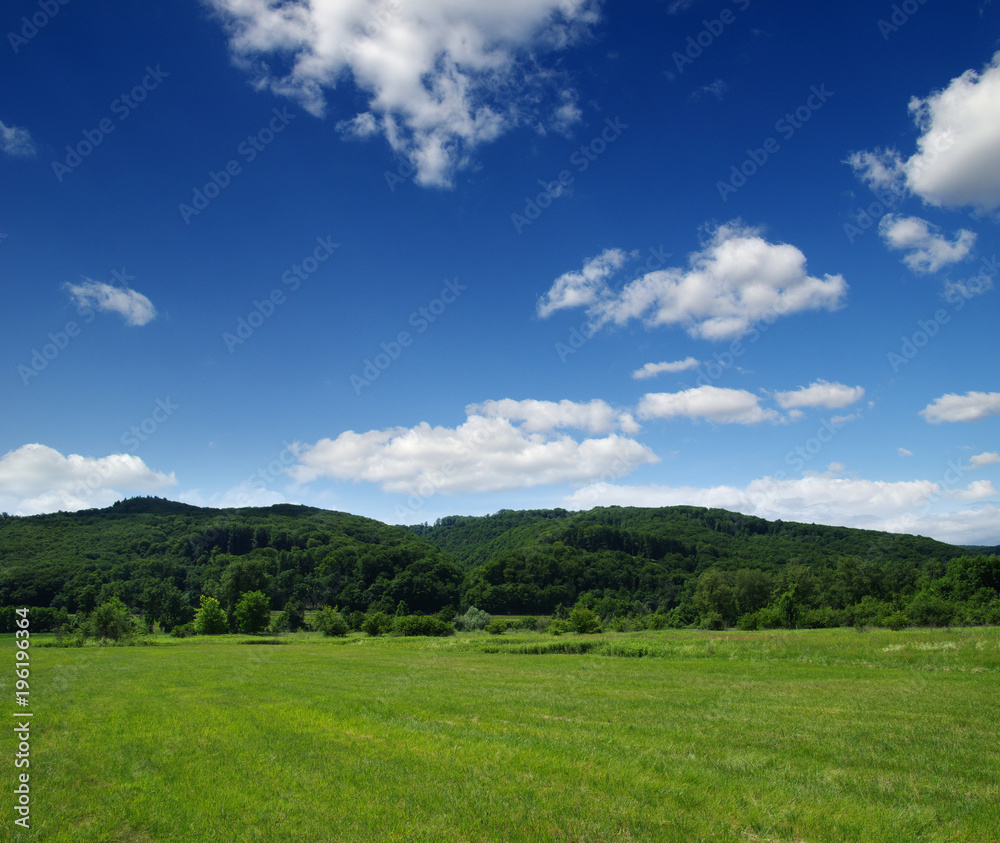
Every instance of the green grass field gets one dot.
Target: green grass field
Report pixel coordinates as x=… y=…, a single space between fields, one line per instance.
x=825 y=735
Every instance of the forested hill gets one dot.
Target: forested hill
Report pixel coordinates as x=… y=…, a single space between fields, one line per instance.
x=684 y=564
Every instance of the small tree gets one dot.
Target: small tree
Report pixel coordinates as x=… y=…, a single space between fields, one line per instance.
x=583 y=620
x=111 y=621
x=253 y=613
x=376 y=624
x=291 y=619
x=210 y=619
x=472 y=619
x=329 y=621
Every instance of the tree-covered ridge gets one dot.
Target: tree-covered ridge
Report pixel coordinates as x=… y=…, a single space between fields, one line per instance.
x=684 y=565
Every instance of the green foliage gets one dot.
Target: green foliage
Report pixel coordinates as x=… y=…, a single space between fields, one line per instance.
x=210 y=619
x=253 y=613
x=497 y=626
x=330 y=622
x=472 y=619
x=291 y=619
x=583 y=620
x=377 y=623
x=420 y=625
x=111 y=621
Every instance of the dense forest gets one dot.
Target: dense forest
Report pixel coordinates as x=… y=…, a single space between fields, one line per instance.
x=673 y=566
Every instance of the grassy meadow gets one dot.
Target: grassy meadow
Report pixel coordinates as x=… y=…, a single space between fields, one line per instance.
x=806 y=736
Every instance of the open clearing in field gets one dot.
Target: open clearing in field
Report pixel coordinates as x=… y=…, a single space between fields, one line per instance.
x=796 y=736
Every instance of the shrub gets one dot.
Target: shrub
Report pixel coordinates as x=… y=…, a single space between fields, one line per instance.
x=897 y=620
x=557 y=626
x=658 y=620
x=472 y=619
x=291 y=619
x=583 y=621
x=420 y=625
x=712 y=620
x=253 y=613
x=210 y=619
x=497 y=626
x=376 y=623
x=183 y=631
x=928 y=609
x=111 y=621
x=330 y=622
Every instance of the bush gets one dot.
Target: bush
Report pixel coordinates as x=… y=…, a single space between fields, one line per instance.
x=376 y=624
x=291 y=619
x=659 y=620
x=497 y=626
x=897 y=620
x=584 y=621
x=712 y=620
x=183 y=631
x=210 y=619
x=253 y=613
x=928 y=609
x=330 y=622
x=420 y=625
x=111 y=621
x=472 y=619
x=557 y=626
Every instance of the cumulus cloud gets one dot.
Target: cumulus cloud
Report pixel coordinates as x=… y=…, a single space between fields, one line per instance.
x=441 y=76
x=820 y=394
x=973 y=406
x=957 y=162
x=651 y=370
x=481 y=455
x=16 y=142
x=927 y=249
x=583 y=288
x=712 y=403
x=736 y=279
x=982 y=460
x=543 y=416
x=898 y=507
x=976 y=491
x=35 y=478
x=131 y=305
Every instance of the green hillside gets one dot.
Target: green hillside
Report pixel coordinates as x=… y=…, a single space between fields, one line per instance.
x=676 y=566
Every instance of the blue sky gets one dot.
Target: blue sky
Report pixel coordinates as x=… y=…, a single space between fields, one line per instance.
x=413 y=259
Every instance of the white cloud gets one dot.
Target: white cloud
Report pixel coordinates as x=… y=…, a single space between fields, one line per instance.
x=481 y=455
x=973 y=406
x=132 y=306
x=651 y=370
x=583 y=288
x=977 y=491
x=717 y=89
x=981 y=460
x=957 y=162
x=820 y=394
x=903 y=452
x=736 y=279
x=35 y=478
x=16 y=141
x=898 y=507
x=723 y=406
x=544 y=416
x=441 y=76
x=928 y=250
